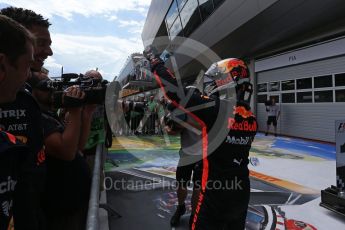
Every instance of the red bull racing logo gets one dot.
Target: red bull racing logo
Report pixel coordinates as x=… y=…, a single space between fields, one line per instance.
x=242 y=126
x=243 y=112
x=225 y=81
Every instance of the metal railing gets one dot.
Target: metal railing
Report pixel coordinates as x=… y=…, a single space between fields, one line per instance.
x=93 y=212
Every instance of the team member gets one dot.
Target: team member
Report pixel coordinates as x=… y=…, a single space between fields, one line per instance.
x=39 y=27
x=25 y=124
x=190 y=157
x=16 y=57
x=226 y=163
x=273 y=114
x=68 y=175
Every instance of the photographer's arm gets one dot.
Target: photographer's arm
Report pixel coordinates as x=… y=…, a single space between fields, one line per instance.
x=64 y=145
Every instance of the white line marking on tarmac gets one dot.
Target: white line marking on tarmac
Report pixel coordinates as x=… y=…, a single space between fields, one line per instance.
x=141 y=176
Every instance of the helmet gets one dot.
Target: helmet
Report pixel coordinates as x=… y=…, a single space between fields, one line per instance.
x=231 y=73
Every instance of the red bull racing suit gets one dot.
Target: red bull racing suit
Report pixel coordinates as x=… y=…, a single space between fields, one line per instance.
x=12 y=155
x=227 y=135
x=22 y=118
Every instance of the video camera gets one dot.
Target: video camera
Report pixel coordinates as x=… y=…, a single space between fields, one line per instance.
x=94 y=90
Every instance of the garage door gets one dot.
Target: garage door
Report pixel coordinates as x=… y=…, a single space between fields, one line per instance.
x=312 y=97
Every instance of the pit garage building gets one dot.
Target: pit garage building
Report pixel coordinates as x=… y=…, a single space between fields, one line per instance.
x=295 y=50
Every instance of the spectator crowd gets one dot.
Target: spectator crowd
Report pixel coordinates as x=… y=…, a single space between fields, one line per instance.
x=147 y=120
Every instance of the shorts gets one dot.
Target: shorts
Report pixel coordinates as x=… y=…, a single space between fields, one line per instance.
x=272 y=119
